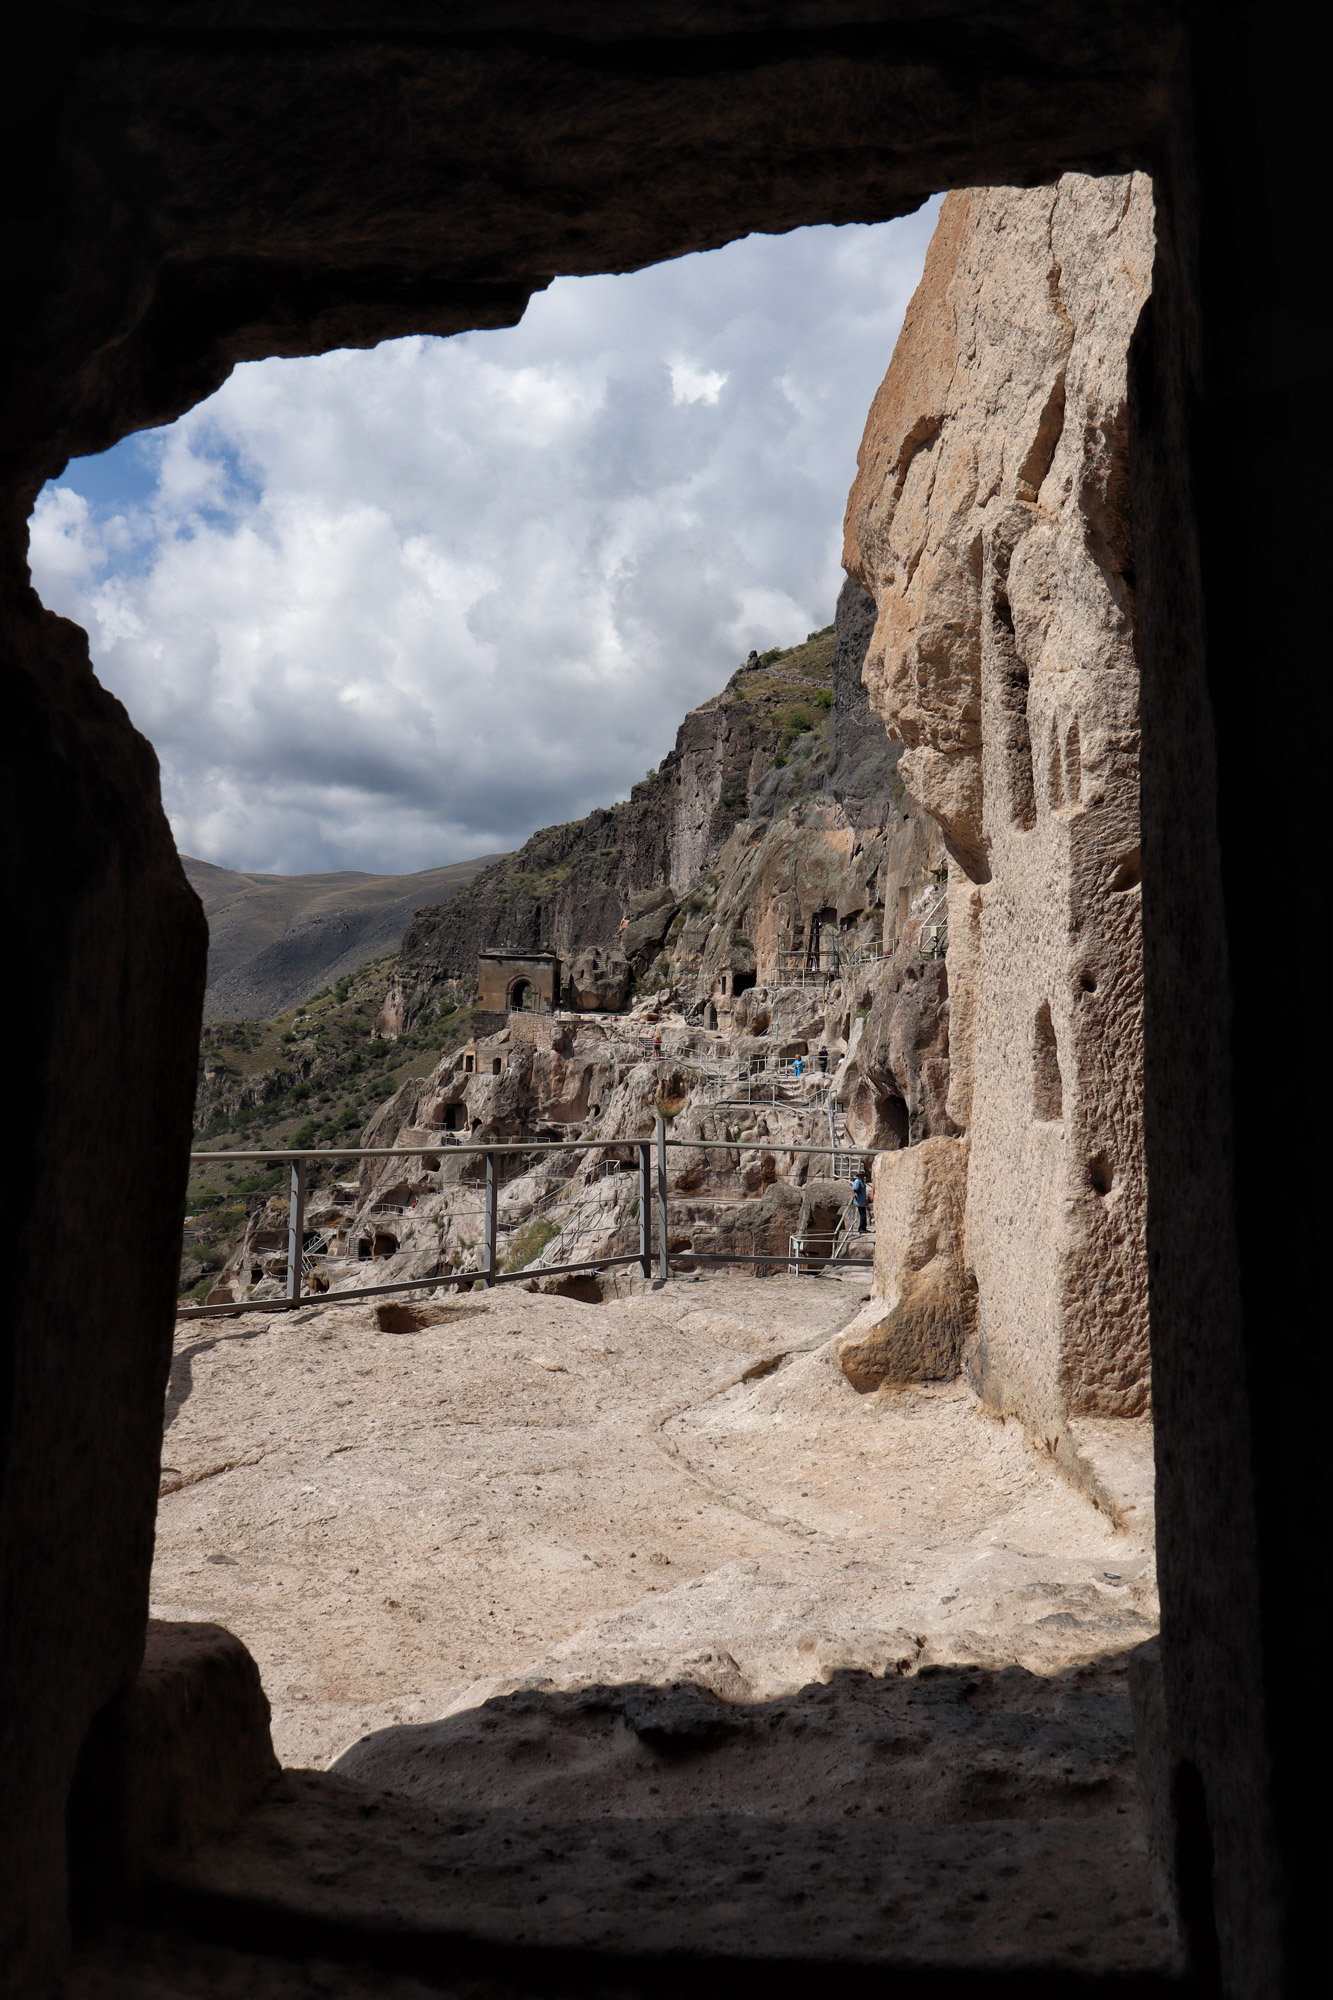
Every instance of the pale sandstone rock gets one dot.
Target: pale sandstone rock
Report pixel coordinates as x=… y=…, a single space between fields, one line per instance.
x=894 y=1080
x=989 y=520
x=599 y=980
x=918 y=1318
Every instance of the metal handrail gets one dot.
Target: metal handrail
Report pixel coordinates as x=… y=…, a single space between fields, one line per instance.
x=652 y=1193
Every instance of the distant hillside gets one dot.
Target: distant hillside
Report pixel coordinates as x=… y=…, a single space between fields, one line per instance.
x=273 y=940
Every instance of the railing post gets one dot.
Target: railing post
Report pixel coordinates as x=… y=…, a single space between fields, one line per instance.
x=663 y=1259
x=295 y=1227
x=488 y=1254
x=645 y=1210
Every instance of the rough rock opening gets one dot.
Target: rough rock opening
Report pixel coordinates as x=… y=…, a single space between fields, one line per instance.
x=896 y=1121
x=130 y=306
x=1047 y=1085
x=1014 y=685
x=1073 y=764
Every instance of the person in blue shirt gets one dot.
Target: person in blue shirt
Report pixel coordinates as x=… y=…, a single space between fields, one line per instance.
x=860 y=1196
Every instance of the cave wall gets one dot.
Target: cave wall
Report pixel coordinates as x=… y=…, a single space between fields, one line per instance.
x=990 y=520
x=193 y=184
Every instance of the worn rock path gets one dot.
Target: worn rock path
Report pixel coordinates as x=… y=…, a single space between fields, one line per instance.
x=633 y=1627
x=536 y=1490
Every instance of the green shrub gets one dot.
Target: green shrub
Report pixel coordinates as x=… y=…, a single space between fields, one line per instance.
x=823 y=698
x=304 y=1135
x=795 y=723
x=529 y=1242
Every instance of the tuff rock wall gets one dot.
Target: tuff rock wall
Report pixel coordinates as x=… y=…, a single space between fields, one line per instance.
x=990 y=521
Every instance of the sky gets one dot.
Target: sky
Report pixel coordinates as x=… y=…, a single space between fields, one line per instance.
x=389 y=609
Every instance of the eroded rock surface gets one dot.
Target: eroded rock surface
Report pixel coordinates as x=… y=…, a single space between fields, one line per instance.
x=990 y=521
x=917 y=1325
x=776 y=822
x=671 y=1614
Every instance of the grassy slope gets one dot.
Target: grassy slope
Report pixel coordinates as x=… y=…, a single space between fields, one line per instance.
x=786 y=678
x=312 y=1074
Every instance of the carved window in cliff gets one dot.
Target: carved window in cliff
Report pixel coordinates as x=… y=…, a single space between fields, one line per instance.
x=895 y=1124
x=1055 y=783
x=1073 y=764
x=1047 y=1089
x=821 y=941
x=1012 y=687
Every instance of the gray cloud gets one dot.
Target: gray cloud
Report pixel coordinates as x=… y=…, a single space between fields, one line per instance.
x=388 y=609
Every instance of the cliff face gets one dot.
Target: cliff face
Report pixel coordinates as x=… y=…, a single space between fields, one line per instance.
x=989 y=521
x=779 y=804
x=573 y=886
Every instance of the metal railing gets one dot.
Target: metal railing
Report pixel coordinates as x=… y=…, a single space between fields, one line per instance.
x=803 y=1253
x=765 y=1080
x=828 y=960
x=652 y=1200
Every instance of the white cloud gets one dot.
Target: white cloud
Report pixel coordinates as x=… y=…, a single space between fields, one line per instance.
x=695 y=385
x=387 y=609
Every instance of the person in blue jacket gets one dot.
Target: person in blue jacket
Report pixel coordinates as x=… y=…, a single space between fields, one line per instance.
x=860 y=1195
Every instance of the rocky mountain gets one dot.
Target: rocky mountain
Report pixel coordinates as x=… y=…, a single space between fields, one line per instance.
x=776 y=828
x=273 y=940
x=778 y=807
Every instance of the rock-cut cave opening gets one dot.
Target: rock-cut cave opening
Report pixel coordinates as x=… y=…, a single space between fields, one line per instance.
x=417 y=1591
x=1050 y=139
x=827 y=1387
